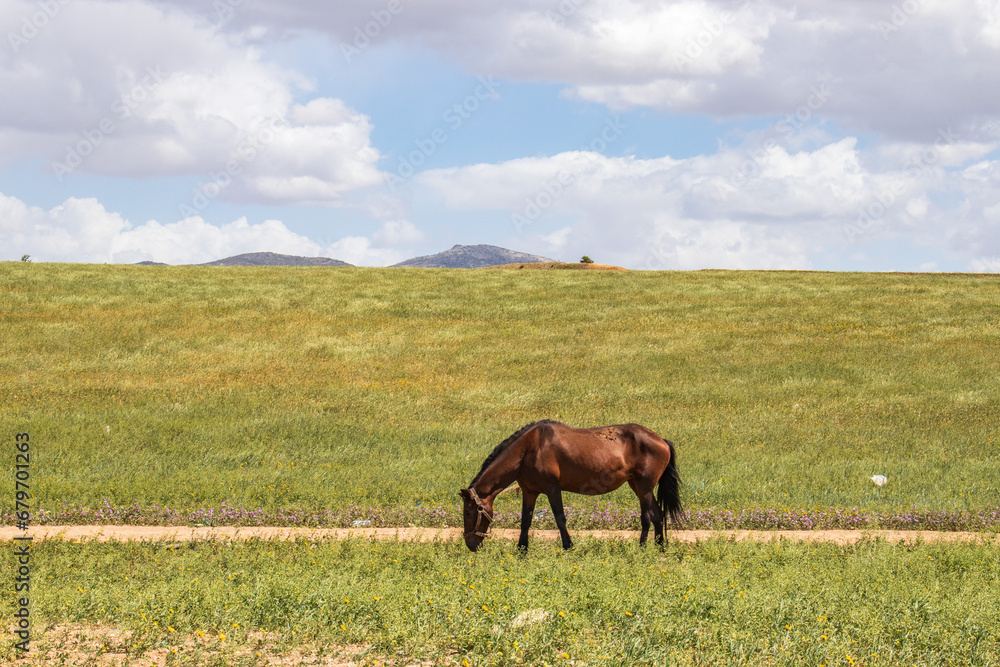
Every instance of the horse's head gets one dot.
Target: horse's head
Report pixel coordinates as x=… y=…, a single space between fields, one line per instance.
x=477 y=515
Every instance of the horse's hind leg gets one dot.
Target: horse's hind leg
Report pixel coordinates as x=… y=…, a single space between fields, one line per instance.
x=555 y=500
x=657 y=517
x=527 y=510
x=649 y=512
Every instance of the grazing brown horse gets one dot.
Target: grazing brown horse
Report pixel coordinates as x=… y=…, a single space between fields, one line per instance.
x=548 y=457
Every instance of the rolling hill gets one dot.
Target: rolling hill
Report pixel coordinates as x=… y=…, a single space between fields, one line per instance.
x=473 y=257
x=274 y=259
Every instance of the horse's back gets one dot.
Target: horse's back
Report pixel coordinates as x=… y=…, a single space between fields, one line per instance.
x=622 y=437
x=613 y=454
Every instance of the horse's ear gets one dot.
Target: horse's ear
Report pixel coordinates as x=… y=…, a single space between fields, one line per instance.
x=465 y=494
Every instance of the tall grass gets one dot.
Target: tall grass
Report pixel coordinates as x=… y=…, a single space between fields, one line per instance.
x=322 y=388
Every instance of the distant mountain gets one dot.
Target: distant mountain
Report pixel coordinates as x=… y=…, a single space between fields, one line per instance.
x=274 y=259
x=473 y=257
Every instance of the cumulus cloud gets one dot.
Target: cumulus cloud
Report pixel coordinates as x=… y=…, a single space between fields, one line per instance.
x=361 y=251
x=390 y=244
x=159 y=88
x=76 y=230
x=904 y=69
x=82 y=230
x=395 y=233
x=318 y=157
x=193 y=241
x=767 y=206
x=139 y=90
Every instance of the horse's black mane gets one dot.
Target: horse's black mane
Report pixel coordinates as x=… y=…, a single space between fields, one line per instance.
x=502 y=447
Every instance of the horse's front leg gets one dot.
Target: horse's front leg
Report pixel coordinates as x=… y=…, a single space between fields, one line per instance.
x=527 y=510
x=555 y=500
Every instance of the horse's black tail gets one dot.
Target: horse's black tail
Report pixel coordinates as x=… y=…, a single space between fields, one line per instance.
x=668 y=492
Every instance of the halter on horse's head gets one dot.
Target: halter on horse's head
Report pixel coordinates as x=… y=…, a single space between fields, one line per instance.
x=482 y=514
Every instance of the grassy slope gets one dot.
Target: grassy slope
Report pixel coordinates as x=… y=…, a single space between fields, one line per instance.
x=319 y=388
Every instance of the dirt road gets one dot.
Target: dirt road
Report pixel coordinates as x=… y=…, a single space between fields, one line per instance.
x=185 y=534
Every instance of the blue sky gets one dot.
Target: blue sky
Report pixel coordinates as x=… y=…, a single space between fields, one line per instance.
x=654 y=135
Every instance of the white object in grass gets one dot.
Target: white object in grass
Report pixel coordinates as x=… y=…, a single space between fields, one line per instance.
x=530 y=617
x=879 y=479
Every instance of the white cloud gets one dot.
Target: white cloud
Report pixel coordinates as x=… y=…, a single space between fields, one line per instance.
x=390 y=244
x=194 y=241
x=82 y=230
x=557 y=239
x=747 y=207
x=901 y=71
x=725 y=245
x=76 y=230
x=137 y=88
x=360 y=251
x=324 y=154
x=925 y=75
x=985 y=265
x=134 y=89
x=394 y=233
x=779 y=185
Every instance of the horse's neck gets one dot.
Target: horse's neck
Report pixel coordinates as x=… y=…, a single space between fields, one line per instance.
x=501 y=473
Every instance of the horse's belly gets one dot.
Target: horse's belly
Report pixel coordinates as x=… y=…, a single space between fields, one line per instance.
x=592 y=484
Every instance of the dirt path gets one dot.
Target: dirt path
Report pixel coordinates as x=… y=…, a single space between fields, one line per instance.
x=185 y=534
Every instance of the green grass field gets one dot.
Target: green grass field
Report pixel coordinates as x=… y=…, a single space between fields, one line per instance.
x=315 y=389
x=604 y=603
x=322 y=388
